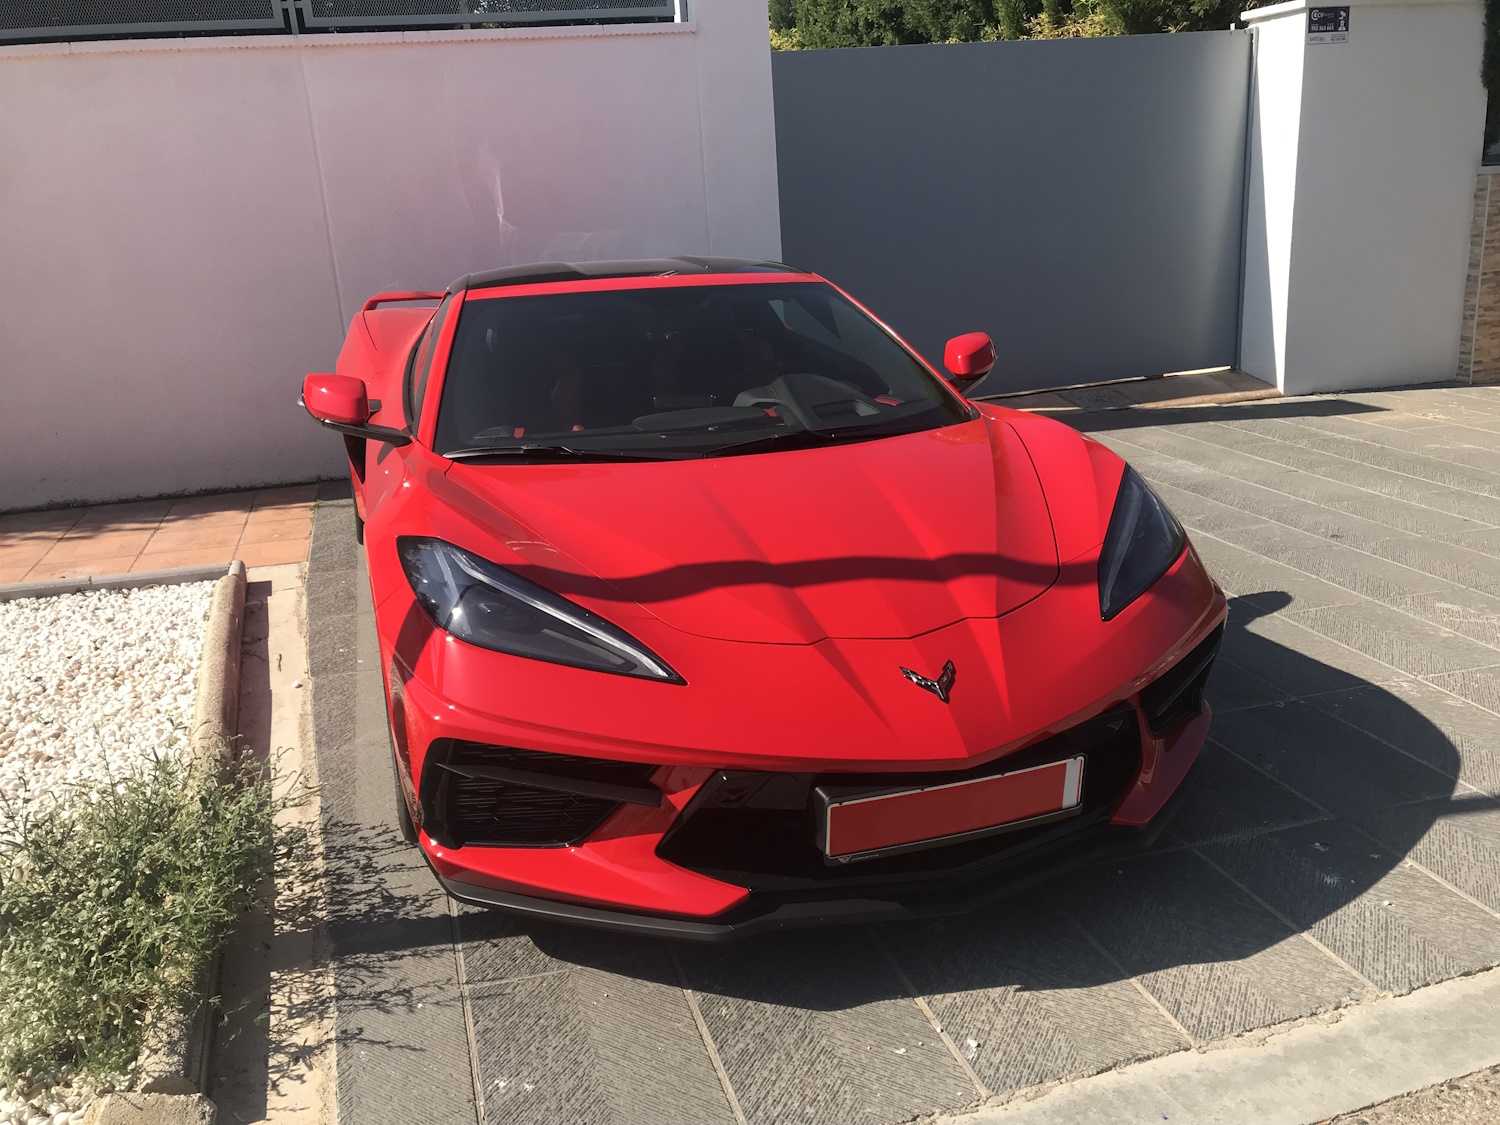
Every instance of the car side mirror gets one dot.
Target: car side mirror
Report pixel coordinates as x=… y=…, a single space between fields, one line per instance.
x=342 y=403
x=969 y=358
x=341 y=399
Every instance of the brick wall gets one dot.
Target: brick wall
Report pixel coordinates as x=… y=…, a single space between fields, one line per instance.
x=1479 y=346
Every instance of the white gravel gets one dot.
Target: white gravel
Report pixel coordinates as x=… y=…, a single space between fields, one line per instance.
x=92 y=685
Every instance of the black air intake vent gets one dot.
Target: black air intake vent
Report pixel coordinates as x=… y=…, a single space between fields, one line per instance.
x=504 y=797
x=1178 y=692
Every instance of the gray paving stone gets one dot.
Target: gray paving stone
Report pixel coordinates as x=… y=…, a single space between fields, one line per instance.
x=1359 y=571
x=1457 y=838
x=1401 y=420
x=1425 y=722
x=817 y=1027
x=332 y=599
x=1226 y=798
x=331 y=647
x=501 y=947
x=1249 y=575
x=1335 y=766
x=1480 y=686
x=1470 y=613
x=1028 y=995
x=1450 y=561
x=1315 y=462
x=1456 y=405
x=1231 y=687
x=1199 y=513
x=1485 y=541
x=1473 y=448
x=1394 y=638
x=593 y=1047
x=403 y=1055
x=1335 y=882
x=1299 y=661
x=1431 y=469
x=1214 y=958
x=1329 y=509
x=1443 y=514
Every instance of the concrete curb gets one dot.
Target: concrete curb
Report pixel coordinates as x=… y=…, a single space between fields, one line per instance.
x=174 y=1056
x=216 y=702
x=178 y=576
x=1358 y=1057
x=151 y=1109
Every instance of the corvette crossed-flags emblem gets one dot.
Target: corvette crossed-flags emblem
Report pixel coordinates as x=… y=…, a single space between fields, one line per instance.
x=940 y=687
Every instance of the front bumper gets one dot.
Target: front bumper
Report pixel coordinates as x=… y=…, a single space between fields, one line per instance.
x=767 y=912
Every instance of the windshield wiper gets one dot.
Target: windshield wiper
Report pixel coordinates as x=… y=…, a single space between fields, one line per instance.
x=804 y=439
x=560 y=453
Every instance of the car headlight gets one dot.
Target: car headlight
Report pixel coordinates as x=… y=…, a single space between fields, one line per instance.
x=1143 y=541
x=489 y=606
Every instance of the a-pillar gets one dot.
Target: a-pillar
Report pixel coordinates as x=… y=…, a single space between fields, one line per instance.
x=1365 y=136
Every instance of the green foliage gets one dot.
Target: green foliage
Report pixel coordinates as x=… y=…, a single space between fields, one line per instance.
x=117 y=907
x=1139 y=17
x=875 y=23
x=1084 y=19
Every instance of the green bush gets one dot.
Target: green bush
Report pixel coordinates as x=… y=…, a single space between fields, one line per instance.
x=116 y=908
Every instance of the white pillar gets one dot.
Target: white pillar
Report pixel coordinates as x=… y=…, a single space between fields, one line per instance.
x=1363 y=152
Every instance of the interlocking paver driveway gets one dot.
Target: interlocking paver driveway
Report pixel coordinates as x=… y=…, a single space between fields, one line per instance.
x=1342 y=839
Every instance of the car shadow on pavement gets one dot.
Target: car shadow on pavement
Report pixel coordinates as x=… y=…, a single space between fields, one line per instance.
x=1286 y=885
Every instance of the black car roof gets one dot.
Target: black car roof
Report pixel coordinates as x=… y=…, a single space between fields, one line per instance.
x=632 y=267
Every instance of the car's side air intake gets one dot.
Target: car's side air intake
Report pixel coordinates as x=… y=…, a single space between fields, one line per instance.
x=1178 y=692
x=500 y=796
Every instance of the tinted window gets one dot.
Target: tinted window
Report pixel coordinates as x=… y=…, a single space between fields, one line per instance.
x=421 y=366
x=689 y=370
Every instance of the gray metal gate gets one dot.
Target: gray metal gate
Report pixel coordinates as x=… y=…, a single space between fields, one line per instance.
x=1080 y=200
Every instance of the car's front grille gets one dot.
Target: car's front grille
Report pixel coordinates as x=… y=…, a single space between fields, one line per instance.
x=499 y=796
x=1178 y=692
x=760 y=829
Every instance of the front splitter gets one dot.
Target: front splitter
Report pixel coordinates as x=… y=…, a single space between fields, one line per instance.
x=766 y=912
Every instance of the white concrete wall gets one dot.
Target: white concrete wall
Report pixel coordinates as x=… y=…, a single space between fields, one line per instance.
x=187 y=226
x=1363 y=156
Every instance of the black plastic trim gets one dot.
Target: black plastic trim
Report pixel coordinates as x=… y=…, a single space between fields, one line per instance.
x=1178 y=692
x=539 y=273
x=646 y=794
x=766 y=913
x=370 y=433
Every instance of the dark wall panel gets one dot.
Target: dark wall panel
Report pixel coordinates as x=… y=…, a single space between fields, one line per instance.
x=1078 y=199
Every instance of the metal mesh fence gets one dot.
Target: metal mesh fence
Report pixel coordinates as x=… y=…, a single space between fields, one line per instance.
x=25 y=20
x=448 y=13
x=49 y=17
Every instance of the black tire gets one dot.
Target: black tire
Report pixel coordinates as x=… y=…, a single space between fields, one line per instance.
x=359 y=529
x=403 y=813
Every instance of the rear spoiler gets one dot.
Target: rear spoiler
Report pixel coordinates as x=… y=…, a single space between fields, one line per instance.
x=391 y=298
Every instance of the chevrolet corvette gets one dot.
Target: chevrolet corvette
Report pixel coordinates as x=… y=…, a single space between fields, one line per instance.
x=707 y=607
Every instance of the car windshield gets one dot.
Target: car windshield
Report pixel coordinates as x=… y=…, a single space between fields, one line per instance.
x=679 y=371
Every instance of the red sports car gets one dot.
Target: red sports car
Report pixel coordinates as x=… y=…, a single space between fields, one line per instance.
x=707 y=607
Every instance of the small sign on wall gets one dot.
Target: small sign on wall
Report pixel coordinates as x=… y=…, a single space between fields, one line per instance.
x=1328 y=25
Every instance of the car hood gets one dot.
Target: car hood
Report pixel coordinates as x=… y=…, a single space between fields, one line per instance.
x=889 y=538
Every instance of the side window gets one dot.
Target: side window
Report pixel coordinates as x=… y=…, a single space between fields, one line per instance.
x=421 y=367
